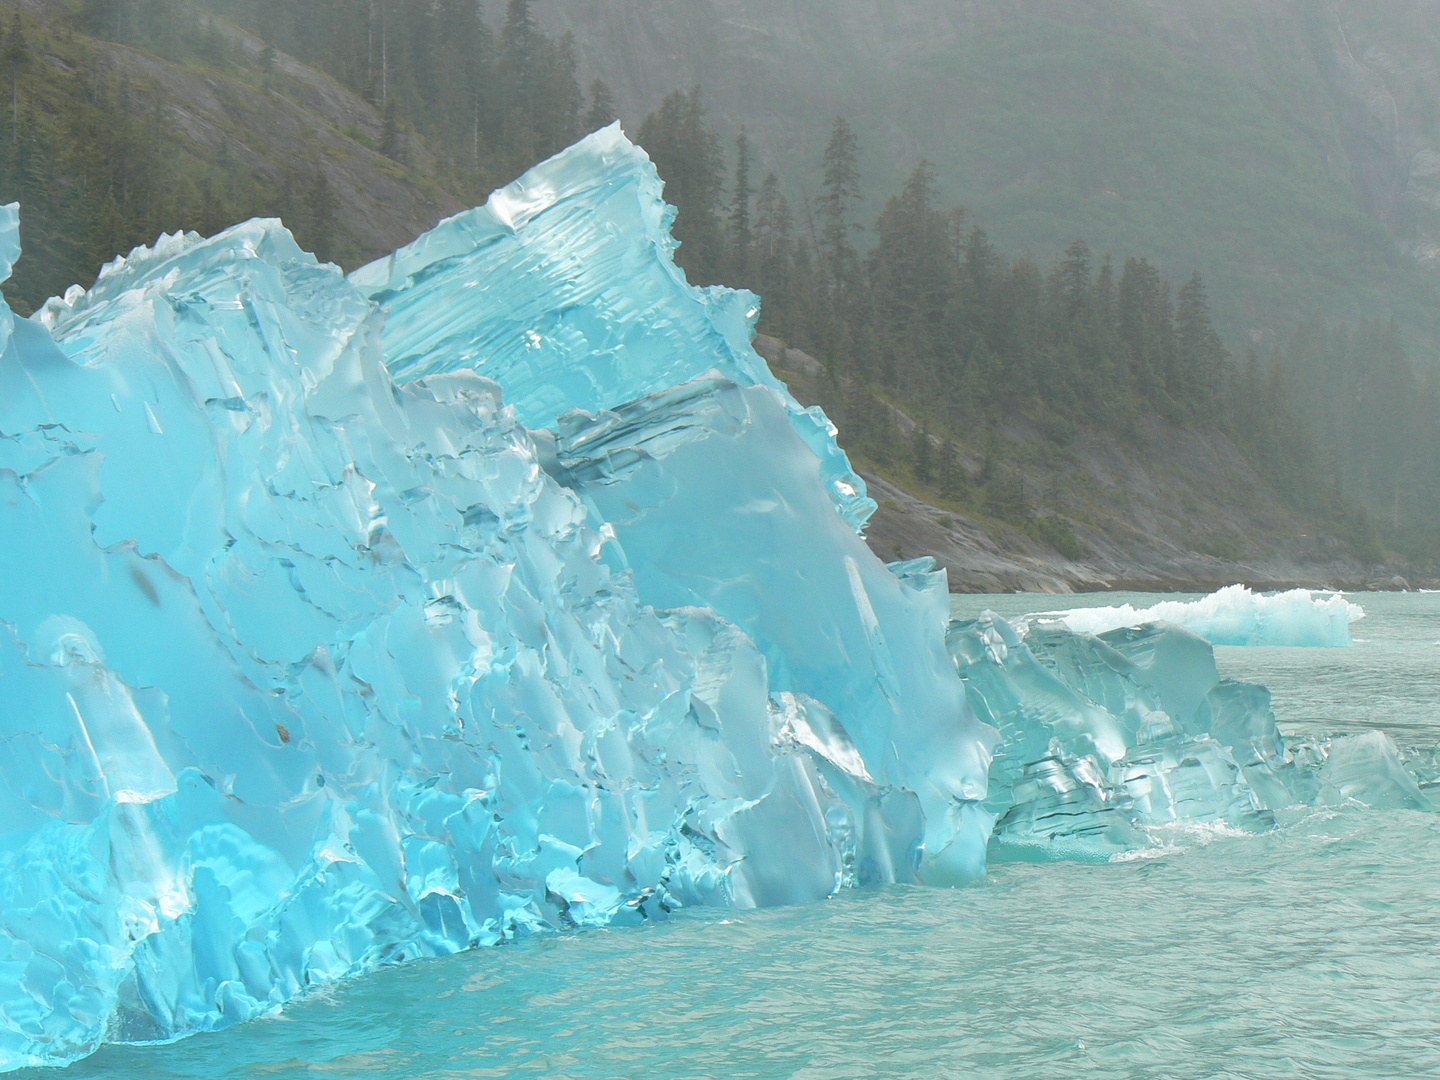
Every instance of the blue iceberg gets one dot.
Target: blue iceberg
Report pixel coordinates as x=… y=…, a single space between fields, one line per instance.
x=1108 y=738
x=1110 y=742
x=497 y=589
x=319 y=653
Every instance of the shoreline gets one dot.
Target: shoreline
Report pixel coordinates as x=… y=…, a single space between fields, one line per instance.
x=986 y=557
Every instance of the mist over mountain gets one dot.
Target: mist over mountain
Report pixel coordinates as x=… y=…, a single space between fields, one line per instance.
x=1287 y=149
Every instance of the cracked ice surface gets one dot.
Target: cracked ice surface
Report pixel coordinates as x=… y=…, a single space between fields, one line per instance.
x=307 y=669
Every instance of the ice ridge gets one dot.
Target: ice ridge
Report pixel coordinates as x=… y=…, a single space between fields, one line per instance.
x=1234 y=616
x=563 y=288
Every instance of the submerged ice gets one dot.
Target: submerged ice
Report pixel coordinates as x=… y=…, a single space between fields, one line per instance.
x=495 y=589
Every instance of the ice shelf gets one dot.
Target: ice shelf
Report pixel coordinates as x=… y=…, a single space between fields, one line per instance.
x=497 y=589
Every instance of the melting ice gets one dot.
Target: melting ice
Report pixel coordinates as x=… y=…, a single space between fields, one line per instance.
x=498 y=588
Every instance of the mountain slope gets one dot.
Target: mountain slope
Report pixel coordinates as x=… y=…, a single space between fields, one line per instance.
x=201 y=141
x=1164 y=507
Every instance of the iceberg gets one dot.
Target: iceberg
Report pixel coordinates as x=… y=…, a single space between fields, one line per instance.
x=1107 y=737
x=1233 y=616
x=1111 y=741
x=317 y=656
x=499 y=589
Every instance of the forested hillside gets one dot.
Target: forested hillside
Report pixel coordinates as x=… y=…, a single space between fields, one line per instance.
x=1287 y=149
x=128 y=118
x=960 y=366
x=921 y=310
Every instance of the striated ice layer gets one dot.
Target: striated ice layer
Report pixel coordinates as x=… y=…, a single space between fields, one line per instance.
x=563 y=288
x=1234 y=616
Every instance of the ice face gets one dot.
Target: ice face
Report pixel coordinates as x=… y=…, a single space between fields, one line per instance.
x=773 y=559
x=563 y=288
x=308 y=670
x=1234 y=616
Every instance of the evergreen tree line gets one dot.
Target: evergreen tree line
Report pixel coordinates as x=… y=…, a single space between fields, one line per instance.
x=963 y=338
x=933 y=312
x=488 y=102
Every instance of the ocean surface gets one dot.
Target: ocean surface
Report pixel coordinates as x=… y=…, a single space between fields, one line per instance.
x=1310 y=951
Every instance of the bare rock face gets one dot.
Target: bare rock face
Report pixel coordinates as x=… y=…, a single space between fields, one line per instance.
x=778 y=355
x=1391 y=89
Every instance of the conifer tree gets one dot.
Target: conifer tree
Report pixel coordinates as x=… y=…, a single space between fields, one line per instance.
x=841 y=190
x=391 y=140
x=602 y=107
x=738 y=218
x=923 y=455
x=689 y=159
x=1075 y=280
x=320 y=202
x=1200 y=352
x=17 y=55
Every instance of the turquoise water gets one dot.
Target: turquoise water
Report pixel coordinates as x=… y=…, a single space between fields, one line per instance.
x=1312 y=951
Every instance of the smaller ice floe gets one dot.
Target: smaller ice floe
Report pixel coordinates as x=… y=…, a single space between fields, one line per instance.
x=1105 y=738
x=1114 y=745
x=1232 y=616
x=1367 y=769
